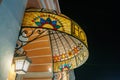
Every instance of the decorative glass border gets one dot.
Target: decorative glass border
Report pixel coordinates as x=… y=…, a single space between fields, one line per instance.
x=57 y=22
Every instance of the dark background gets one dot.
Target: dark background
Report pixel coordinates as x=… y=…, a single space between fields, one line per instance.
x=95 y=17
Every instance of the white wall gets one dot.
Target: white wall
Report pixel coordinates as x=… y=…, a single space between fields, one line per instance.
x=11 y=13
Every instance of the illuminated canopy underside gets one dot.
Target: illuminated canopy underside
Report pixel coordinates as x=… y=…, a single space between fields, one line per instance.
x=68 y=41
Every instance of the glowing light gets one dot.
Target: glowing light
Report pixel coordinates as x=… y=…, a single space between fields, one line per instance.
x=21 y=64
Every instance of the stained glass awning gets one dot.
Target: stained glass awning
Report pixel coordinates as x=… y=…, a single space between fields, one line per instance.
x=68 y=41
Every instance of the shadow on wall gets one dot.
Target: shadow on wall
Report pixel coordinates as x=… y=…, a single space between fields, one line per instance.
x=0 y=1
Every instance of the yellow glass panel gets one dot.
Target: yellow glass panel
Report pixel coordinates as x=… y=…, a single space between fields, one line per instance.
x=76 y=32
x=82 y=35
x=76 y=27
x=48 y=26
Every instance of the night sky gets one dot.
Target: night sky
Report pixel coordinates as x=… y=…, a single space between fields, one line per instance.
x=96 y=20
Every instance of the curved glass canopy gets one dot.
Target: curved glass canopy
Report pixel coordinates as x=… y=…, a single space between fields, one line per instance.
x=68 y=41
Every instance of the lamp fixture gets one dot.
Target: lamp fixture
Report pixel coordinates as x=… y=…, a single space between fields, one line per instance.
x=22 y=64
